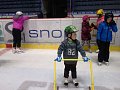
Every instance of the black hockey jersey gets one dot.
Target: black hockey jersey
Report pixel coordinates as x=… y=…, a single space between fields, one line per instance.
x=70 y=50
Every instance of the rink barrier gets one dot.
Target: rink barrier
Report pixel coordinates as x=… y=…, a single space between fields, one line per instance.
x=50 y=30
x=52 y=46
x=91 y=73
x=3 y=45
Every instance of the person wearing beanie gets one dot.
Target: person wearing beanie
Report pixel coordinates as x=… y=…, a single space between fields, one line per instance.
x=85 y=32
x=104 y=37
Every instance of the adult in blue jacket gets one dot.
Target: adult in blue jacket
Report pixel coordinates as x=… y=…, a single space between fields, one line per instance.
x=104 y=37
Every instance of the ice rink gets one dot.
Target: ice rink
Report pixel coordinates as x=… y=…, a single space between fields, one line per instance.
x=33 y=70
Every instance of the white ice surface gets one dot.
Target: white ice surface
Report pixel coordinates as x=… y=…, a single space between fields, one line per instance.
x=33 y=70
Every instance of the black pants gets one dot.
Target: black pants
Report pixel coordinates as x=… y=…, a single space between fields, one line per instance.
x=16 y=38
x=103 y=54
x=72 y=68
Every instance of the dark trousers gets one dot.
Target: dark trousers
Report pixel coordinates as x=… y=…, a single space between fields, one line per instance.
x=16 y=38
x=72 y=68
x=103 y=54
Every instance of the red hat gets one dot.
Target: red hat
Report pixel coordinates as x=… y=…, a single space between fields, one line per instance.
x=85 y=17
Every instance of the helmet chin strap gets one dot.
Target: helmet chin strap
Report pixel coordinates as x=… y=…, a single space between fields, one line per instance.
x=71 y=37
x=100 y=15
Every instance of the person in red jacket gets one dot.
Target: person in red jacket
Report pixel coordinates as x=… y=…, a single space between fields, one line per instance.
x=100 y=15
x=85 y=32
x=100 y=18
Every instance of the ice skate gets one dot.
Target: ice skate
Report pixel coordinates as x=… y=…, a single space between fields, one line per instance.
x=19 y=50
x=99 y=63
x=90 y=51
x=66 y=82
x=97 y=51
x=106 y=63
x=75 y=83
x=14 y=50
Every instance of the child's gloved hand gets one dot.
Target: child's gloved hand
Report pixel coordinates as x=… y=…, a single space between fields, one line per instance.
x=58 y=59
x=85 y=59
x=112 y=22
x=93 y=25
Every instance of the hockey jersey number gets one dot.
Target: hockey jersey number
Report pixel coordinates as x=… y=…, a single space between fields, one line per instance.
x=71 y=52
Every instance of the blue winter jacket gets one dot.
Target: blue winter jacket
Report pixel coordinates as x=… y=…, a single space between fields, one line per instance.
x=104 y=32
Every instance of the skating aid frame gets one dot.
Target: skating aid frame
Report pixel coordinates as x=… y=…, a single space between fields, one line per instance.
x=91 y=73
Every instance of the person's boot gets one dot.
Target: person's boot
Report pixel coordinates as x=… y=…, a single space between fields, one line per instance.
x=75 y=82
x=97 y=51
x=99 y=63
x=19 y=50
x=66 y=82
x=14 y=50
x=106 y=63
x=90 y=51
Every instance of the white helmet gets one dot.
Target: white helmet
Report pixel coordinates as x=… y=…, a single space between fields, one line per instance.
x=19 y=13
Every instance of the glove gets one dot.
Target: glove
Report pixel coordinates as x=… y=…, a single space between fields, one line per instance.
x=93 y=26
x=85 y=59
x=112 y=22
x=58 y=59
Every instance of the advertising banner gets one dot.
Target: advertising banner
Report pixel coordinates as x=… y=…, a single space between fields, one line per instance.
x=49 y=30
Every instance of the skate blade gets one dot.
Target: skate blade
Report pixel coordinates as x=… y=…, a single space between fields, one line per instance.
x=76 y=85
x=20 y=52
x=71 y=87
x=14 y=52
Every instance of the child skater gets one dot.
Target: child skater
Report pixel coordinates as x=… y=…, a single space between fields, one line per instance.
x=70 y=47
x=85 y=32
x=18 y=21
x=100 y=18
x=104 y=37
